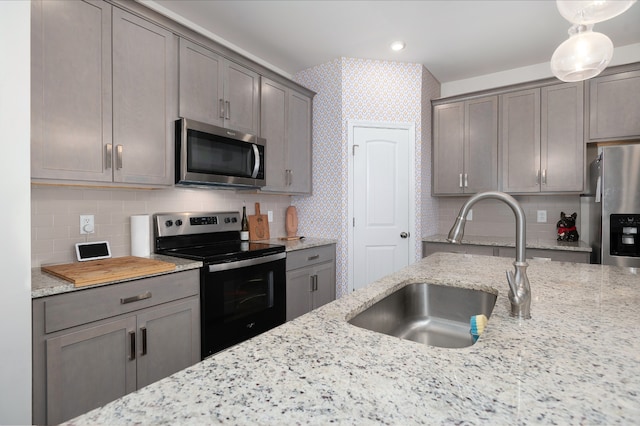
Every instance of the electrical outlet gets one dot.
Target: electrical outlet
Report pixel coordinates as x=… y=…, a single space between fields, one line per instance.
x=470 y=215
x=87 y=224
x=542 y=216
x=270 y=216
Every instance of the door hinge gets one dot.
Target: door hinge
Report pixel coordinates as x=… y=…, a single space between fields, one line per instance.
x=354 y=222
x=353 y=149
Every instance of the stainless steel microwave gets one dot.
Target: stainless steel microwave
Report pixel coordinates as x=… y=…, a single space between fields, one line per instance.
x=208 y=155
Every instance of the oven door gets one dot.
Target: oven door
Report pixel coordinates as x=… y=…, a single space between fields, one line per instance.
x=240 y=300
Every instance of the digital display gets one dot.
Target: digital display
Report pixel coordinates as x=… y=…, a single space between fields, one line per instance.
x=93 y=251
x=204 y=220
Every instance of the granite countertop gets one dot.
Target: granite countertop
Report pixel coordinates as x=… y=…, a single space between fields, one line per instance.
x=44 y=284
x=542 y=243
x=575 y=362
x=302 y=244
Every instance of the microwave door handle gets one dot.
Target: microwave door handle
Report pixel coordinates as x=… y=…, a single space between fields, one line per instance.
x=256 y=164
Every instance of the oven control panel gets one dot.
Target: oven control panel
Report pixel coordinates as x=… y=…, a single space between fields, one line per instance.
x=172 y=224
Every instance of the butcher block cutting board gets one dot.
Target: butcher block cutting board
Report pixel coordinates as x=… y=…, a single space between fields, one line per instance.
x=258 y=225
x=106 y=270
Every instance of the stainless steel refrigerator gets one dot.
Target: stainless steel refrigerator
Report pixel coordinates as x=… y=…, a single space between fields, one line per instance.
x=615 y=206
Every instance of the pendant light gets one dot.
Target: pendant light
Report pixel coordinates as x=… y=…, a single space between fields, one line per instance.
x=586 y=53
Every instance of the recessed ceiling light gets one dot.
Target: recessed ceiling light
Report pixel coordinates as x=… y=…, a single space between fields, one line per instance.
x=397 y=45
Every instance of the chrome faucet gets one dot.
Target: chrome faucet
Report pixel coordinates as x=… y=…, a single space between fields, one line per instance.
x=519 y=289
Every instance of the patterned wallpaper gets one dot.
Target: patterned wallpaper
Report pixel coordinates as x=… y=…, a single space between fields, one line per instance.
x=361 y=89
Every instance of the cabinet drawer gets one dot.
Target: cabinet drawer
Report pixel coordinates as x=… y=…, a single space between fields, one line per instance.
x=84 y=306
x=311 y=256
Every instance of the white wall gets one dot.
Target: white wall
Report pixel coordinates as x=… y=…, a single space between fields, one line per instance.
x=15 y=249
x=622 y=55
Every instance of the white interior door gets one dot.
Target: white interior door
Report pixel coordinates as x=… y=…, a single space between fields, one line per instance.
x=381 y=202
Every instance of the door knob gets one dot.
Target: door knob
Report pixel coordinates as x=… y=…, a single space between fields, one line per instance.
x=404 y=235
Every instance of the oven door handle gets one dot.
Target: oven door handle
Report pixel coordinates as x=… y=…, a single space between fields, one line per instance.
x=247 y=262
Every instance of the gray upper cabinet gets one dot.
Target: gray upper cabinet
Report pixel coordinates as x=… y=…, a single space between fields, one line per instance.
x=465 y=146
x=541 y=137
x=614 y=106
x=144 y=100
x=104 y=95
x=70 y=90
x=286 y=125
x=217 y=91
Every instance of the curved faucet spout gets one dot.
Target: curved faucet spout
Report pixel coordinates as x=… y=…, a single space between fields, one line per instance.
x=519 y=289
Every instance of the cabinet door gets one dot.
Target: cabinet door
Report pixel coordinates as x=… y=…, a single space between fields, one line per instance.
x=520 y=141
x=70 y=90
x=298 y=292
x=89 y=367
x=614 y=106
x=201 y=84
x=144 y=100
x=448 y=148
x=273 y=127
x=326 y=284
x=168 y=340
x=481 y=145
x=299 y=143
x=562 y=142
x=241 y=95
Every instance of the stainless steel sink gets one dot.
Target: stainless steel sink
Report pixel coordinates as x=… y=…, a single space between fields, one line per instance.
x=431 y=314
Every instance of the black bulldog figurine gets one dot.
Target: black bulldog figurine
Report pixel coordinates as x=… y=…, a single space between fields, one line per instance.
x=567 y=227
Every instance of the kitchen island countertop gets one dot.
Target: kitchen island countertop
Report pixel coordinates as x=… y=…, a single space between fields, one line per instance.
x=575 y=362
x=532 y=243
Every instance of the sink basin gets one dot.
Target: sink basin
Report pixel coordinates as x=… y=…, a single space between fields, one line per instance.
x=431 y=314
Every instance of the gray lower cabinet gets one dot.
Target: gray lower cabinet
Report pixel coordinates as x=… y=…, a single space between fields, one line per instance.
x=614 y=106
x=465 y=146
x=286 y=120
x=93 y=346
x=541 y=137
x=429 y=248
x=104 y=94
x=311 y=279
x=217 y=91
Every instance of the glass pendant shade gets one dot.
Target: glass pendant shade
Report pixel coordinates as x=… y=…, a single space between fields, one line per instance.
x=592 y=11
x=584 y=55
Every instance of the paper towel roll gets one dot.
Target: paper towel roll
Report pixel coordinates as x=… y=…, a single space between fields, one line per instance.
x=140 y=235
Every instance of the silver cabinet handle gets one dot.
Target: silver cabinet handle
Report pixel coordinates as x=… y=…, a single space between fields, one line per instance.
x=317 y=256
x=221 y=105
x=466 y=180
x=143 y=330
x=538 y=176
x=132 y=345
x=544 y=176
x=290 y=177
x=228 y=109
x=125 y=300
x=311 y=283
x=460 y=181
x=118 y=156
x=109 y=156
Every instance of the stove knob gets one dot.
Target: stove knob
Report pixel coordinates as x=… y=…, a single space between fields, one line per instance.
x=168 y=223
x=234 y=219
x=178 y=222
x=227 y=220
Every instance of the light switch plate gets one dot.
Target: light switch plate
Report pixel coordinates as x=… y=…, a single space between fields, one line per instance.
x=542 y=216
x=270 y=216
x=470 y=215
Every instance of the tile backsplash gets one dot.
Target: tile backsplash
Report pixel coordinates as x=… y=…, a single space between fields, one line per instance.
x=494 y=218
x=56 y=210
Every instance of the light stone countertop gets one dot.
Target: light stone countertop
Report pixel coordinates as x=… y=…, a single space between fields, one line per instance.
x=575 y=362
x=545 y=244
x=302 y=244
x=44 y=284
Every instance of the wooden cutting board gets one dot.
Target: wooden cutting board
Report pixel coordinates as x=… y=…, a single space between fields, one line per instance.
x=258 y=226
x=106 y=270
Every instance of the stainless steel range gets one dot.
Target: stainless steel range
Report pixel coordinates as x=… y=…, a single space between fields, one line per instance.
x=242 y=284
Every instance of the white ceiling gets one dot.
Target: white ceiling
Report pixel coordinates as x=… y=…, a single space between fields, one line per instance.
x=454 y=39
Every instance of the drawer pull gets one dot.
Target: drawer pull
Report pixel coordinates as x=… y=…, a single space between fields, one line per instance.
x=317 y=256
x=132 y=345
x=131 y=299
